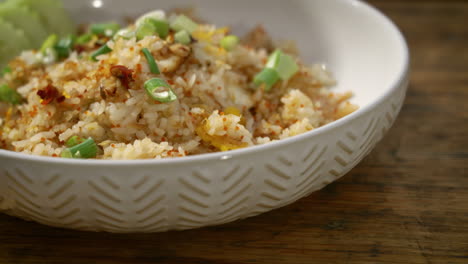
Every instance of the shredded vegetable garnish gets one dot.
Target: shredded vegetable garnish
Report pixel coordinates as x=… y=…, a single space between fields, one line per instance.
x=151 y=61
x=183 y=37
x=65 y=45
x=160 y=90
x=101 y=51
x=229 y=42
x=268 y=77
x=105 y=29
x=182 y=22
x=9 y=95
x=86 y=150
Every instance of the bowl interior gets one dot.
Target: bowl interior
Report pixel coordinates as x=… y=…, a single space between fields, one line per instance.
x=362 y=48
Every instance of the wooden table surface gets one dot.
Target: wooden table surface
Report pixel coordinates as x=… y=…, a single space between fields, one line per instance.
x=405 y=203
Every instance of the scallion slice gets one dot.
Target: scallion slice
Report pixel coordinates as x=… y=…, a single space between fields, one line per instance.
x=101 y=51
x=268 y=77
x=73 y=141
x=105 y=29
x=283 y=64
x=83 y=39
x=6 y=70
x=182 y=22
x=9 y=95
x=85 y=150
x=229 y=42
x=151 y=61
x=162 y=27
x=49 y=43
x=145 y=29
x=183 y=37
x=125 y=34
x=160 y=90
x=65 y=45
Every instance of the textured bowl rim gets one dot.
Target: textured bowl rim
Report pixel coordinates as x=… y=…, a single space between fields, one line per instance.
x=394 y=85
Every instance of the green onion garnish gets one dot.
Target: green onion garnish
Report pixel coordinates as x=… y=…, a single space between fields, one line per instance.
x=6 y=70
x=268 y=77
x=105 y=29
x=73 y=141
x=183 y=37
x=145 y=29
x=162 y=27
x=151 y=61
x=283 y=64
x=182 y=22
x=125 y=34
x=85 y=150
x=229 y=42
x=160 y=90
x=83 y=39
x=65 y=45
x=9 y=95
x=101 y=51
x=49 y=43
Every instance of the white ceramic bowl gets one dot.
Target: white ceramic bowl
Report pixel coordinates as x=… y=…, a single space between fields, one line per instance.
x=362 y=47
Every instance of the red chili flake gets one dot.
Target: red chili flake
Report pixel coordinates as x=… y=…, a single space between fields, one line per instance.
x=48 y=94
x=124 y=74
x=170 y=82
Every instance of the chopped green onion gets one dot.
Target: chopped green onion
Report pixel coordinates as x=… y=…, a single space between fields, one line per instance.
x=73 y=141
x=151 y=61
x=85 y=150
x=229 y=42
x=274 y=59
x=183 y=37
x=156 y=14
x=83 y=39
x=9 y=95
x=6 y=70
x=64 y=46
x=160 y=90
x=47 y=57
x=125 y=34
x=49 y=43
x=283 y=64
x=268 y=77
x=105 y=29
x=101 y=51
x=162 y=27
x=182 y=22
x=145 y=29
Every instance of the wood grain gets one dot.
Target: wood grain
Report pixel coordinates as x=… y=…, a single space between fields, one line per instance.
x=406 y=203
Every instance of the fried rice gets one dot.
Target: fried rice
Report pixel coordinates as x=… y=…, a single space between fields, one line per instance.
x=218 y=107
